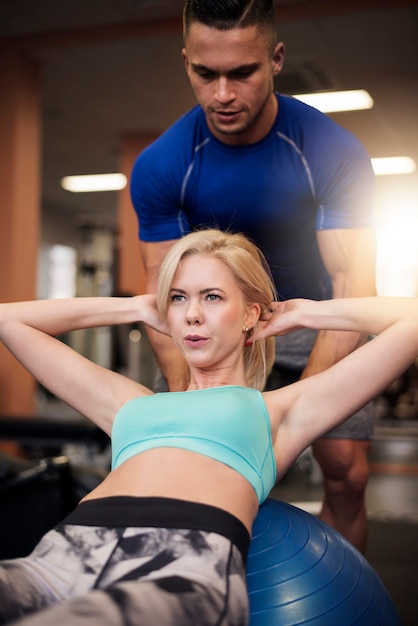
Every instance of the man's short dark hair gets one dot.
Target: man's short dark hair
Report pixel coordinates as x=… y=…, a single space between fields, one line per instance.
x=227 y=14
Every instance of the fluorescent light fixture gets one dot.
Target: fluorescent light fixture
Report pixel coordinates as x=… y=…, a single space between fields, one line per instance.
x=334 y=101
x=390 y=166
x=94 y=182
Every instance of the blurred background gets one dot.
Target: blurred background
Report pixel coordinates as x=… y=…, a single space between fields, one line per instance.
x=85 y=85
x=108 y=70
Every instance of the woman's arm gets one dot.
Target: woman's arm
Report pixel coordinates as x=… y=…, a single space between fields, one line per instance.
x=369 y=315
x=56 y=317
x=306 y=410
x=27 y=329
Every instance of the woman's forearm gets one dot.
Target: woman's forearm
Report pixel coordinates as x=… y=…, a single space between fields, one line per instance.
x=368 y=315
x=59 y=316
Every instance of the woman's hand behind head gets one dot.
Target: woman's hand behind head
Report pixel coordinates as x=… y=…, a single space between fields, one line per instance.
x=149 y=314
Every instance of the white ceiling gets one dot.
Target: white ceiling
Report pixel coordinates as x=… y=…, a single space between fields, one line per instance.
x=113 y=67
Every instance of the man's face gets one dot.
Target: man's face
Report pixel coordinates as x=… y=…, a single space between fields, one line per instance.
x=231 y=73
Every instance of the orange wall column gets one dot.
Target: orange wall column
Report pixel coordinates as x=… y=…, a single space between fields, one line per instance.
x=130 y=270
x=20 y=156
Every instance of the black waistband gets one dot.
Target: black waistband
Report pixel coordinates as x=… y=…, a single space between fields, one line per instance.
x=123 y=511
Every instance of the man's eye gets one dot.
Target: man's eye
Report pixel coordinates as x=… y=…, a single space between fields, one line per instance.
x=205 y=74
x=242 y=74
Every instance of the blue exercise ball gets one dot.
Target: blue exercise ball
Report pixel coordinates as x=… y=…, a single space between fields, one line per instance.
x=302 y=571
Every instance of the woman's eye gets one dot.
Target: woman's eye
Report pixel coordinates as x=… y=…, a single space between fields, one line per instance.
x=213 y=296
x=177 y=298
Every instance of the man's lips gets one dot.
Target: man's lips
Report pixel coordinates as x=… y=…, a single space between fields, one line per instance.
x=226 y=116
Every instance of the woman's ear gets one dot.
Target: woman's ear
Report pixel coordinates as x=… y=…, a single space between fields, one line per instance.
x=252 y=315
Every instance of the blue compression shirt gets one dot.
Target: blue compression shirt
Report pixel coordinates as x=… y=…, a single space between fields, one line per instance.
x=308 y=174
x=229 y=424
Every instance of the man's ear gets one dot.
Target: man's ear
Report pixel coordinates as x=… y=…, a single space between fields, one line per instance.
x=185 y=59
x=278 y=58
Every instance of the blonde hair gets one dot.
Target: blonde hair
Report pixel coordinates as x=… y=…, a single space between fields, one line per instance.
x=249 y=268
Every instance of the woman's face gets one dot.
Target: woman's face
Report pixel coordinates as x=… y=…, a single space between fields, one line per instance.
x=207 y=313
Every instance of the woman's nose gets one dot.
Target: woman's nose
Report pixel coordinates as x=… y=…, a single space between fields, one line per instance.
x=193 y=315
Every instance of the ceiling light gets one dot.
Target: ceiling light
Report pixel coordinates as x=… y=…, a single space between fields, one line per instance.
x=393 y=165
x=94 y=182
x=334 y=101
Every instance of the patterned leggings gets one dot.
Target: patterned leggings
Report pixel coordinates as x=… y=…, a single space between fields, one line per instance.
x=83 y=574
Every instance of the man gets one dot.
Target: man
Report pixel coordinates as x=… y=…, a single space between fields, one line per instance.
x=300 y=186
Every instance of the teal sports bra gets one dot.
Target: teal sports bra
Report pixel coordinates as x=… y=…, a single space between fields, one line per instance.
x=229 y=424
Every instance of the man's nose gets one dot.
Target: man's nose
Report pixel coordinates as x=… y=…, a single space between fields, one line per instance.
x=224 y=90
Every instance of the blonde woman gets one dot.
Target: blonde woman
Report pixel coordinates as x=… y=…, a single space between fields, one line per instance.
x=163 y=539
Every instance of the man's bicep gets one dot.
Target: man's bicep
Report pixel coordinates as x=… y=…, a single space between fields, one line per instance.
x=152 y=254
x=349 y=256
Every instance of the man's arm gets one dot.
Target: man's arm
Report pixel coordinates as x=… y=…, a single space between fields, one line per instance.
x=349 y=256
x=169 y=359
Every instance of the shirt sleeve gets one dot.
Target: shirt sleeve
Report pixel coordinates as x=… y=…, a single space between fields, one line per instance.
x=343 y=181
x=156 y=196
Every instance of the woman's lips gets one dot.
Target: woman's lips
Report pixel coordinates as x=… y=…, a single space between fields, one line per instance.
x=195 y=341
